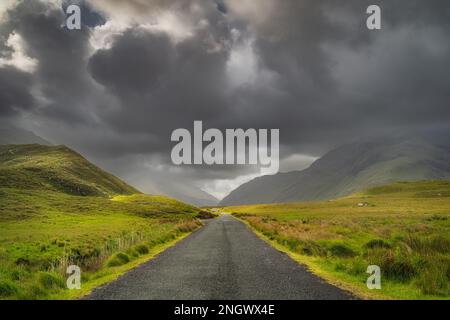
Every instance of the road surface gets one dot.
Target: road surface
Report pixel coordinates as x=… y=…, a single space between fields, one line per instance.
x=222 y=260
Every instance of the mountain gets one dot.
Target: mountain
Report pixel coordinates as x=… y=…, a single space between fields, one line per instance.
x=186 y=193
x=14 y=135
x=56 y=168
x=182 y=191
x=351 y=168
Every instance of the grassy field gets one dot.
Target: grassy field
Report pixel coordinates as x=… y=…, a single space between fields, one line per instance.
x=57 y=209
x=404 y=228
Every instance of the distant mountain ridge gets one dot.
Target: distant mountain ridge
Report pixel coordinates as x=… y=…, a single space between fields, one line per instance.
x=351 y=168
x=187 y=193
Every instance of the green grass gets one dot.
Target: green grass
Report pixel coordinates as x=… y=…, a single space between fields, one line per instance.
x=57 y=209
x=46 y=231
x=404 y=228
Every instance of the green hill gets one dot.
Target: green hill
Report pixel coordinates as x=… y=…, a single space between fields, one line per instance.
x=56 y=168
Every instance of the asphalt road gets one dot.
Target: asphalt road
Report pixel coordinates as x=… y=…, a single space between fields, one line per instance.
x=222 y=260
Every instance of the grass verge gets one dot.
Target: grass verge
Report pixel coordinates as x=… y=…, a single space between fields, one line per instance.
x=107 y=275
x=403 y=228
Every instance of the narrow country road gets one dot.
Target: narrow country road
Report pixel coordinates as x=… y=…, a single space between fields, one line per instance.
x=223 y=260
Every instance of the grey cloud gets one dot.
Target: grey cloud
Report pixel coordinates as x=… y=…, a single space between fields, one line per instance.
x=15 y=93
x=137 y=63
x=161 y=85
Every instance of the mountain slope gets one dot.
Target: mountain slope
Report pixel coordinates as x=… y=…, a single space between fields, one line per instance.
x=181 y=191
x=350 y=168
x=56 y=168
x=148 y=184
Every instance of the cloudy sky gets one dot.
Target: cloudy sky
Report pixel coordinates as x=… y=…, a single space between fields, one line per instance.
x=138 y=69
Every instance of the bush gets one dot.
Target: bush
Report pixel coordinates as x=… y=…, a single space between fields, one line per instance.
x=118 y=259
x=142 y=249
x=377 y=243
x=205 y=215
x=51 y=280
x=341 y=250
x=7 y=288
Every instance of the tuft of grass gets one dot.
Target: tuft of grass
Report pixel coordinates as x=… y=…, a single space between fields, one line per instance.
x=377 y=243
x=434 y=280
x=118 y=259
x=7 y=288
x=433 y=243
x=142 y=249
x=341 y=250
x=51 y=281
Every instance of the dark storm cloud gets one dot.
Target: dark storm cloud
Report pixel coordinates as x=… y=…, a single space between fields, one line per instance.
x=148 y=68
x=61 y=75
x=162 y=85
x=310 y=68
x=339 y=79
x=15 y=95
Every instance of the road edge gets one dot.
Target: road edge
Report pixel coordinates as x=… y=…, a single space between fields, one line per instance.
x=90 y=286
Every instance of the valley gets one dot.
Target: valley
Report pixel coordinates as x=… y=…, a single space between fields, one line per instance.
x=57 y=209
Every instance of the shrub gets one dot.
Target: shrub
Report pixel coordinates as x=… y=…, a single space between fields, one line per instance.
x=377 y=243
x=341 y=250
x=142 y=249
x=292 y=244
x=118 y=259
x=205 y=215
x=7 y=288
x=51 y=280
